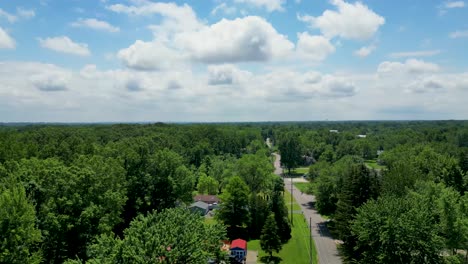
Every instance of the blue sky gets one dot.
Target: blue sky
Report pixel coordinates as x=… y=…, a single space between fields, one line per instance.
x=236 y=60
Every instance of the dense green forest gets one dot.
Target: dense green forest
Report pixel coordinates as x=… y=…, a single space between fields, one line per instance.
x=116 y=193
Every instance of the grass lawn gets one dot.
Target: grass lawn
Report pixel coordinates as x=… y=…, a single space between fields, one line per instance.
x=301 y=170
x=287 y=201
x=303 y=186
x=296 y=251
x=373 y=164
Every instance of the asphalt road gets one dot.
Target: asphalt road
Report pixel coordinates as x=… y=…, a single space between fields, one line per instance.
x=325 y=244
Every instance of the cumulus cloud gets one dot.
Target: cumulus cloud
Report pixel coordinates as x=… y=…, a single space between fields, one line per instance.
x=181 y=36
x=425 y=85
x=174 y=85
x=226 y=74
x=50 y=81
x=316 y=48
x=134 y=85
x=64 y=44
x=6 y=42
x=269 y=5
x=459 y=34
x=95 y=24
x=149 y=56
x=420 y=53
x=365 y=51
x=176 y=18
x=291 y=86
x=350 y=21
x=336 y=87
x=254 y=40
x=410 y=66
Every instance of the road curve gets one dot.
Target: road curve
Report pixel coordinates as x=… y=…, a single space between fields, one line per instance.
x=324 y=243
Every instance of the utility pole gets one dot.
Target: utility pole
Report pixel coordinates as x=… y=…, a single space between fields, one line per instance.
x=310 y=240
x=292 y=223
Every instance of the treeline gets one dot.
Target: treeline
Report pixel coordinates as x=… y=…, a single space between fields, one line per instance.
x=412 y=209
x=98 y=193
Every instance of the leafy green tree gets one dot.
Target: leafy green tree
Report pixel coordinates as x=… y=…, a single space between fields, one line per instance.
x=169 y=236
x=74 y=204
x=235 y=200
x=326 y=196
x=269 y=240
x=256 y=171
x=207 y=185
x=290 y=150
x=222 y=168
x=401 y=177
x=396 y=230
x=449 y=218
x=20 y=237
x=462 y=223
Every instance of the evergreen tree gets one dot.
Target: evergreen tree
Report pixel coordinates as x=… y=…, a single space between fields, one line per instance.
x=359 y=185
x=269 y=240
x=258 y=214
x=278 y=207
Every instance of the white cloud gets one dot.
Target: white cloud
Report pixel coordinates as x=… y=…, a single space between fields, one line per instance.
x=51 y=81
x=224 y=8
x=350 y=21
x=6 y=42
x=9 y=17
x=409 y=67
x=64 y=44
x=226 y=74
x=459 y=34
x=269 y=5
x=425 y=85
x=454 y=4
x=254 y=40
x=95 y=24
x=365 y=51
x=178 y=18
x=33 y=91
x=25 y=13
x=316 y=48
x=148 y=56
x=420 y=53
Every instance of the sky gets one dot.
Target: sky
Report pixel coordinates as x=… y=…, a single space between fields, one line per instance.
x=234 y=60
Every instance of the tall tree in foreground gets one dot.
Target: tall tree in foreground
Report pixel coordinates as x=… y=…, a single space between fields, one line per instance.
x=234 y=209
x=396 y=230
x=269 y=240
x=359 y=185
x=19 y=236
x=290 y=150
x=169 y=236
x=278 y=208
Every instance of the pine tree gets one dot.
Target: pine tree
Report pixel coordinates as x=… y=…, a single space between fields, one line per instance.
x=269 y=240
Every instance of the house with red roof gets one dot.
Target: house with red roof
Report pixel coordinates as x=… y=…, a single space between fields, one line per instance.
x=239 y=249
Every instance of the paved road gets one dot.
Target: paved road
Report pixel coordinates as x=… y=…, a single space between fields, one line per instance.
x=325 y=244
